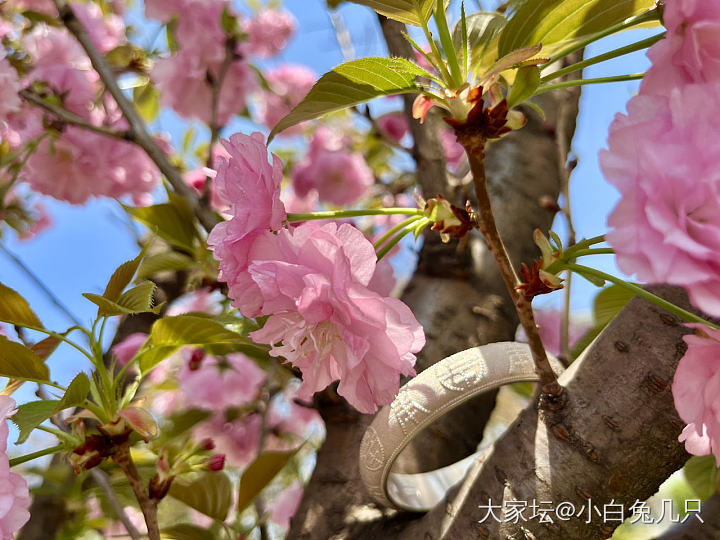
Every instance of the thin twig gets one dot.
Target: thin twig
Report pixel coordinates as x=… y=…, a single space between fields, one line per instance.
x=70 y=118
x=148 y=506
x=38 y=282
x=487 y=226
x=216 y=83
x=138 y=131
x=101 y=479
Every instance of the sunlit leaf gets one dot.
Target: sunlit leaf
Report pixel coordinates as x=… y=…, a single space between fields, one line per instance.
x=353 y=83
x=556 y=22
x=19 y=362
x=167 y=261
x=168 y=222
x=121 y=278
x=186 y=531
x=702 y=475
x=14 y=309
x=76 y=392
x=31 y=415
x=259 y=474
x=415 y=12
x=210 y=494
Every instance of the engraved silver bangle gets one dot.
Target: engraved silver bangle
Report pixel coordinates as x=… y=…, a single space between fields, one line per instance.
x=440 y=388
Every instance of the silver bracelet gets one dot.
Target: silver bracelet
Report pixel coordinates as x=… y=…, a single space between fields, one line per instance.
x=440 y=388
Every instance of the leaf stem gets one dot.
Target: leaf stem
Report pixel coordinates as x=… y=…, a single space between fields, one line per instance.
x=583 y=82
x=40 y=453
x=335 y=214
x=672 y=308
x=641 y=18
x=445 y=74
x=395 y=229
x=603 y=57
x=447 y=44
x=415 y=226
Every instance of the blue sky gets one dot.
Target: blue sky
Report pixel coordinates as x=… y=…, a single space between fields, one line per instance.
x=87 y=243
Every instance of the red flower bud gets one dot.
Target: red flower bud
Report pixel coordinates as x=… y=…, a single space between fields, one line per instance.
x=216 y=462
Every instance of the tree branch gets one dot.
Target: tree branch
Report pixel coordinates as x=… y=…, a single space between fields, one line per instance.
x=70 y=118
x=102 y=481
x=148 y=506
x=139 y=132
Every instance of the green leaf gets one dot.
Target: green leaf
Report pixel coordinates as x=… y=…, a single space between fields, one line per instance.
x=31 y=415
x=170 y=333
x=259 y=474
x=14 y=309
x=147 y=101
x=702 y=475
x=167 y=261
x=482 y=28
x=76 y=392
x=168 y=222
x=210 y=494
x=353 y=83
x=19 y=362
x=555 y=23
x=415 y=12
x=610 y=302
x=138 y=299
x=527 y=80
x=186 y=531
x=183 y=421
x=121 y=278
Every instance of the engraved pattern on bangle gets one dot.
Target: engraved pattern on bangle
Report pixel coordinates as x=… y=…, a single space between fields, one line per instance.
x=421 y=401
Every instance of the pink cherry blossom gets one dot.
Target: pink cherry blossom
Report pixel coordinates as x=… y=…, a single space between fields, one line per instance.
x=41 y=221
x=284 y=506
x=14 y=493
x=340 y=176
x=128 y=347
x=80 y=164
x=454 y=151
x=41 y=6
x=696 y=390
x=106 y=31
x=9 y=88
x=289 y=414
x=238 y=439
x=394 y=125
x=690 y=53
x=217 y=385
x=164 y=10
x=59 y=61
x=252 y=187
x=300 y=205
x=269 y=31
x=326 y=321
x=289 y=84
x=664 y=158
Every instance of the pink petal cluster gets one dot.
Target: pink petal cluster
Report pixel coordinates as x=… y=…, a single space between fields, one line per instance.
x=269 y=31
x=664 y=158
x=394 y=125
x=252 y=187
x=218 y=384
x=340 y=176
x=14 y=493
x=284 y=506
x=128 y=347
x=454 y=151
x=183 y=77
x=9 y=88
x=238 y=439
x=80 y=164
x=696 y=389
x=325 y=320
x=106 y=31
x=289 y=85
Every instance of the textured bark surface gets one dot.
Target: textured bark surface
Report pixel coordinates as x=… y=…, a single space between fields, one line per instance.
x=615 y=441
x=458 y=296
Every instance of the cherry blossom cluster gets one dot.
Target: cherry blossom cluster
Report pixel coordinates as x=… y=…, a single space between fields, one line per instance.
x=314 y=281
x=664 y=158
x=14 y=494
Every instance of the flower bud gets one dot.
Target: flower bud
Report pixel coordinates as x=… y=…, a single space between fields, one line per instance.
x=141 y=421
x=196 y=359
x=216 y=462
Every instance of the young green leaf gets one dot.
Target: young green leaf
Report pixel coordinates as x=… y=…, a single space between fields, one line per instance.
x=527 y=80
x=415 y=12
x=187 y=531
x=482 y=29
x=163 y=262
x=139 y=299
x=167 y=222
x=76 y=392
x=31 y=415
x=702 y=475
x=353 y=83
x=121 y=278
x=19 y=362
x=14 y=309
x=554 y=23
x=259 y=474
x=210 y=494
